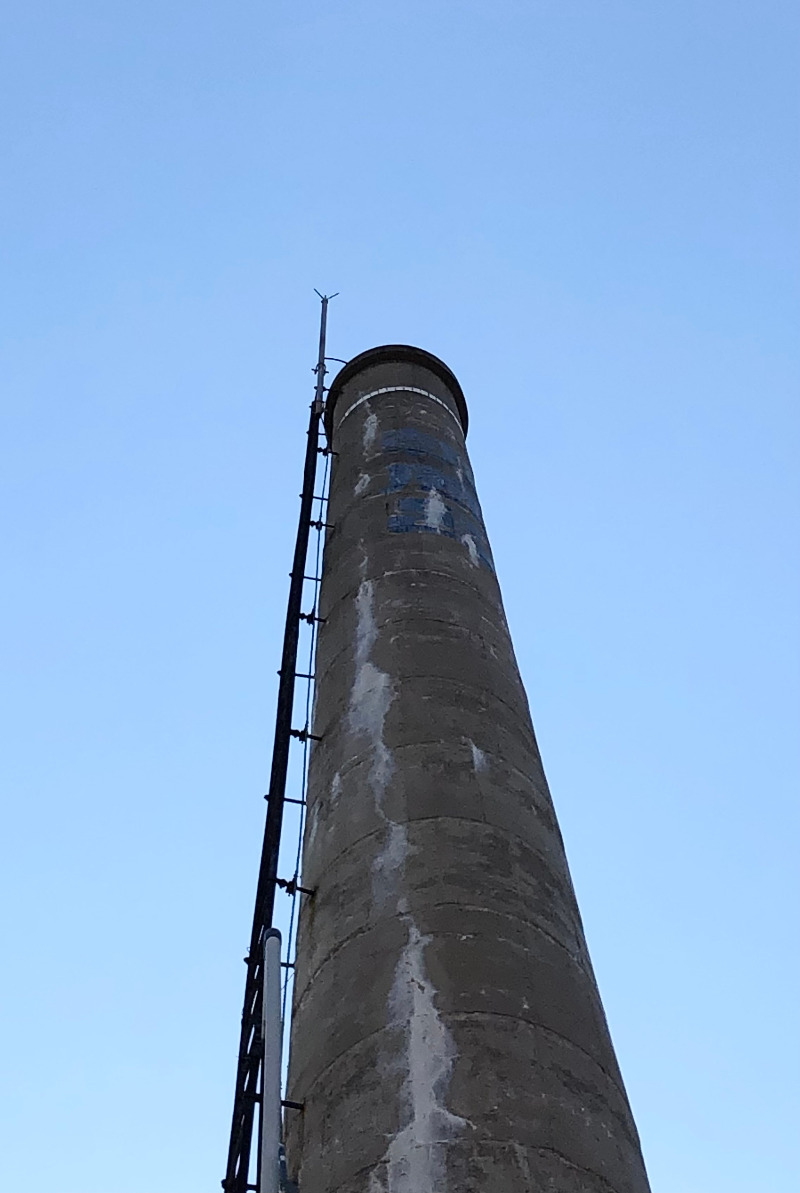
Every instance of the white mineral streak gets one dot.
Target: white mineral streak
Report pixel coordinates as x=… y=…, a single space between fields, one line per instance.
x=370 y=431
x=479 y=760
x=524 y=1166
x=435 y=510
x=389 y=863
x=469 y=543
x=313 y=826
x=372 y=693
x=314 y=811
x=415 y=1157
x=362 y=482
x=370 y=699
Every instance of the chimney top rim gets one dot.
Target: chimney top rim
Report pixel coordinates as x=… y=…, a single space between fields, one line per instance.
x=395 y=354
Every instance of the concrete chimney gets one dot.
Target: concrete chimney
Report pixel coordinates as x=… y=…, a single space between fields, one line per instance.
x=447 y=1035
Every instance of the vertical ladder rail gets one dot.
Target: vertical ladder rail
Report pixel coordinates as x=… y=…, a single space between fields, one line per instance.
x=251 y=1042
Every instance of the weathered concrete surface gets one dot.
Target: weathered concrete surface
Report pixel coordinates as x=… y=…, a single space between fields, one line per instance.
x=448 y=1033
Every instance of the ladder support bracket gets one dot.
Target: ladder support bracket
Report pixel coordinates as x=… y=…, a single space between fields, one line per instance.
x=304 y=735
x=312 y=617
x=292 y=887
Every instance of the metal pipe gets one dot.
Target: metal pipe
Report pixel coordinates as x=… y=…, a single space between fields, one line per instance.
x=272 y=1034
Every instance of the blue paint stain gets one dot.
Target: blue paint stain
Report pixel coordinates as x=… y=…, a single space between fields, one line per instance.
x=418 y=443
x=410 y=514
x=430 y=464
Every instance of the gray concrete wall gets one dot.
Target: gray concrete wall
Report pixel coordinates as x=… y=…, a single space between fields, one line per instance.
x=447 y=1032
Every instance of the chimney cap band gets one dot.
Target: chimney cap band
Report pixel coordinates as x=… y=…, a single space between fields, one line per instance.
x=395 y=354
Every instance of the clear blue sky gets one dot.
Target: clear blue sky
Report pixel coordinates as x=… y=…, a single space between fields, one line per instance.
x=589 y=210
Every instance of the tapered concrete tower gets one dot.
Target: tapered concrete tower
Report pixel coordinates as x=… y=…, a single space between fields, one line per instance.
x=448 y=1035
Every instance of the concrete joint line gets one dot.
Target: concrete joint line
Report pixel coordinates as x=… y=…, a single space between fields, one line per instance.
x=553 y=1151
x=464 y=1016
x=468 y=584
x=509 y=915
x=359 y=1044
x=489 y=826
x=525 y=727
x=502 y=915
x=400 y=389
x=507 y=767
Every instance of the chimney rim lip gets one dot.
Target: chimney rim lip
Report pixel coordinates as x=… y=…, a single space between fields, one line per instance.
x=395 y=354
